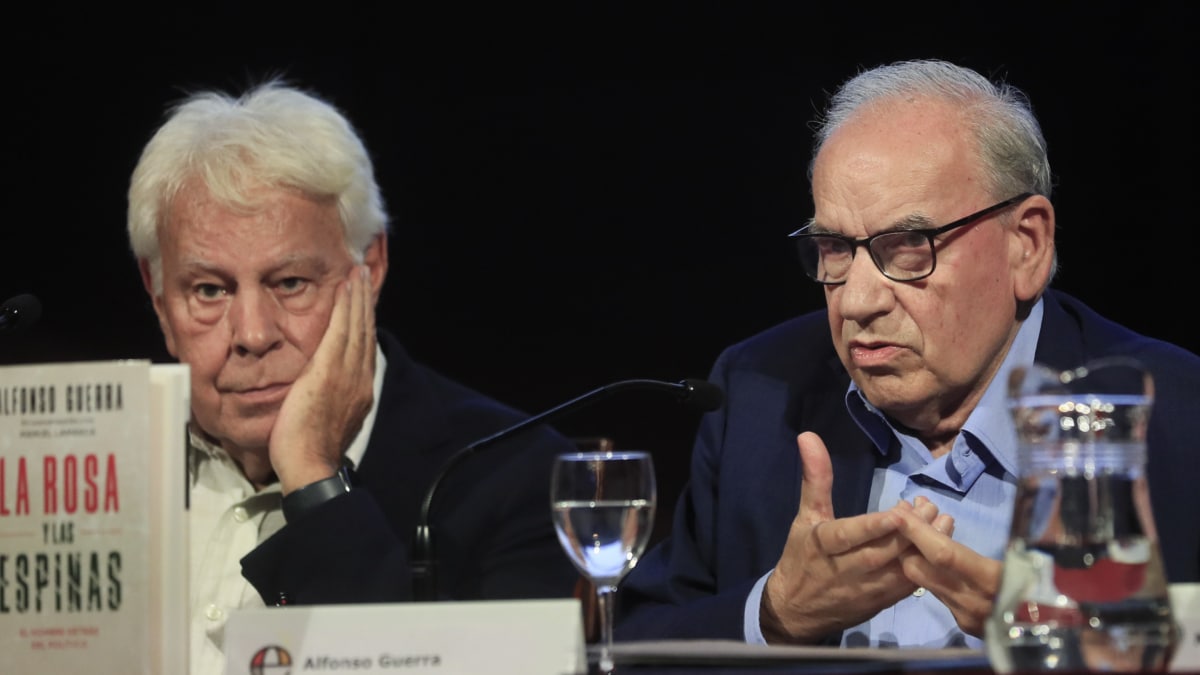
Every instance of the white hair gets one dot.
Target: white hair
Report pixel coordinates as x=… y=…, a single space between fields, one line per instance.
x=273 y=135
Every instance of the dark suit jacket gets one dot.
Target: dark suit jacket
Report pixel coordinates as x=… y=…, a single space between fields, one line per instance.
x=733 y=518
x=492 y=525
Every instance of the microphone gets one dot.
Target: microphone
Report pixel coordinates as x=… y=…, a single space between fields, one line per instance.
x=19 y=312
x=697 y=394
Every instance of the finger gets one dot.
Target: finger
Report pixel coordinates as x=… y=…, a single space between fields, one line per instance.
x=968 y=597
x=944 y=523
x=332 y=348
x=919 y=528
x=873 y=534
x=943 y=553
x=921 y=506
x=816 y=482
x=368 y=322
x=356 y=338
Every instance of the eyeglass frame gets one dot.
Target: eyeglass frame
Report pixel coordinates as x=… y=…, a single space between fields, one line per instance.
x=929 y=235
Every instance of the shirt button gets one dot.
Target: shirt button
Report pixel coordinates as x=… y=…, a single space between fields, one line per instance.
x=214 y=613
x=240 y=514
x=919 y=592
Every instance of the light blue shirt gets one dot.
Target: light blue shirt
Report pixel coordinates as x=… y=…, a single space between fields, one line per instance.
x=975 y=483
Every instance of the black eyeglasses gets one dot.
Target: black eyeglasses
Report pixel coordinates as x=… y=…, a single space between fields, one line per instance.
x=901 y=255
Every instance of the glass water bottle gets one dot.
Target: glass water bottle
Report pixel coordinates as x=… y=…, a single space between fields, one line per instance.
x=1083 y=586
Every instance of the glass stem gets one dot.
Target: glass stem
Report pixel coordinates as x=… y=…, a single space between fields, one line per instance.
x=604 y=596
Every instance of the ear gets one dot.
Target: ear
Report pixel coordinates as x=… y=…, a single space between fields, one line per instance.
x=376 y=260
x=159 y=307
x=1031 y=247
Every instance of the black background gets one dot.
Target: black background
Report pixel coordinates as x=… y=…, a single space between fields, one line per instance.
x=587 y=192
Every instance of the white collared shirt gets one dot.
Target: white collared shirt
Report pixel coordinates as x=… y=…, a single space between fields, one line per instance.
x=227 y=519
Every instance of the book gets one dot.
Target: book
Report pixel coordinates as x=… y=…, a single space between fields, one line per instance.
x=93 y=517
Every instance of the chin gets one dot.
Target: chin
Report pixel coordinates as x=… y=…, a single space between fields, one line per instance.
x=246 y=434
x=888 y=393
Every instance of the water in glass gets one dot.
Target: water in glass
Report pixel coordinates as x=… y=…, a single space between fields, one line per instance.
x=603 y=538
x=603 y=505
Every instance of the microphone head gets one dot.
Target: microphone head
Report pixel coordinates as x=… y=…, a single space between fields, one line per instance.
x=19 y=312
x=703 y=395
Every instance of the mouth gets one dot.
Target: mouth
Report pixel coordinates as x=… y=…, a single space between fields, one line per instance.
x=873 y=354
x=259 y=395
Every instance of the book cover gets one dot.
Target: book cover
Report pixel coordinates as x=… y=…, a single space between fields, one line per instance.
x=85 y=517
x=170 y=411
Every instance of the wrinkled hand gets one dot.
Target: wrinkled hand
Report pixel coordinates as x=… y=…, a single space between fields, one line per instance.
x=963 y=580
x=835 y=573
x=328 y=402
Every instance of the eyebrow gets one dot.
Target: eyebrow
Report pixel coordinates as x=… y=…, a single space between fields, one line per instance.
x=194 y=265
x=908 y=223
x=314 y=264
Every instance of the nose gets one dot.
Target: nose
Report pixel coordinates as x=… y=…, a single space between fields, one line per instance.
x=254 y=323
x=866 y=293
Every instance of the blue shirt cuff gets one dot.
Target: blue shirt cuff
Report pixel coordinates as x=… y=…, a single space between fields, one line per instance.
x=750 y=624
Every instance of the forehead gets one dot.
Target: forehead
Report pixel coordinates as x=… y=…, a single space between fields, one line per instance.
x=894 y=160
x=270 y=223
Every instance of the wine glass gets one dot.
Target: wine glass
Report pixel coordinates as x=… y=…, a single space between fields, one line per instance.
x=603 y=504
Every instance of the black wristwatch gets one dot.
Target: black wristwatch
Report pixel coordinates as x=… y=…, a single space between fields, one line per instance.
x=301 y=501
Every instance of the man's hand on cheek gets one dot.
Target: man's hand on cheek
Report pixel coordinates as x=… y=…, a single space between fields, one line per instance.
x=329 y=401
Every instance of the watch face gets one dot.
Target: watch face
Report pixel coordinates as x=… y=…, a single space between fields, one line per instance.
x=346 y=473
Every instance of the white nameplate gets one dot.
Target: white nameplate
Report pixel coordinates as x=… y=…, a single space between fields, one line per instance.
x=529 y=637
x=1185 y=605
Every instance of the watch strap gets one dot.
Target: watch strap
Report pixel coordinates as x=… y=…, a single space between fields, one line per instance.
x=300 y=501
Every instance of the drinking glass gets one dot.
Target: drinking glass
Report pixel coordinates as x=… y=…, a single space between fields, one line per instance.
x=603 y=504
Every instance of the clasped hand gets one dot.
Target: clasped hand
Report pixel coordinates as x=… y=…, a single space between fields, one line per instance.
x=836 y=573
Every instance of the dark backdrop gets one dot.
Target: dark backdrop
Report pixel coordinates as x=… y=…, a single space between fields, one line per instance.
x=586 y=192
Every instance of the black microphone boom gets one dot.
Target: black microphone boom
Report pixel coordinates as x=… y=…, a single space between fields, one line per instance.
x=19 y=312
x=699 y=394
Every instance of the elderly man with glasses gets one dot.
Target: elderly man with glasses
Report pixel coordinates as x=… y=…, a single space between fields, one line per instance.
x=858 y=490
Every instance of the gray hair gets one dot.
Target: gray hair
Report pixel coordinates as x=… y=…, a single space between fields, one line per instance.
x=273 y=134
x=1009 y=138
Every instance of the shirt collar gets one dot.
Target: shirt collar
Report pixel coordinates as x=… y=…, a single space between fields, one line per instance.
x=359 y=447
x=989 y=422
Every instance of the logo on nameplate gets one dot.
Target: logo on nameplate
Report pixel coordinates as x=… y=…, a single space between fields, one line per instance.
x=271 y=660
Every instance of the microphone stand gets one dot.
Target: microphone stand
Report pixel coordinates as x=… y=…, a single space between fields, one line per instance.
x=423 y=563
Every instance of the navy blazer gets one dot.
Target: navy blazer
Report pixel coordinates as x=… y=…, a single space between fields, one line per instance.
x=734 y=515
x=492 y=525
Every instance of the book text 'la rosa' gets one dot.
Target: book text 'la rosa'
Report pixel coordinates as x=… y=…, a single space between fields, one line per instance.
x=70 y=484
